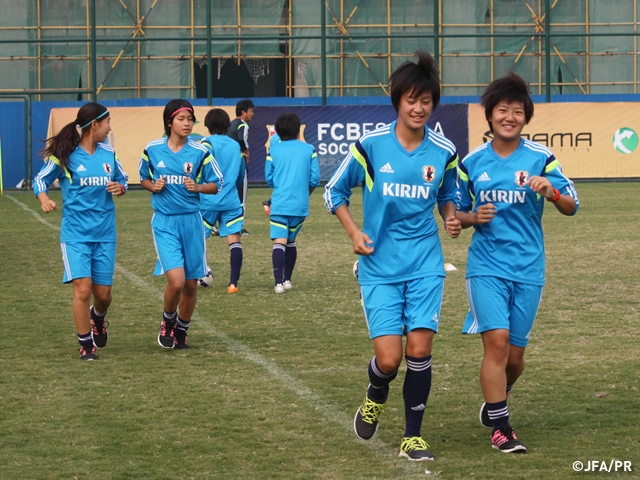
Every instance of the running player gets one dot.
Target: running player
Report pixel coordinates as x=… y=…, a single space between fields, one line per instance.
x=225 y=208
x=90 y=174
x=175 y=169
x=292 y=170
x=503 y=187
x=404 y=169
x=239 y=131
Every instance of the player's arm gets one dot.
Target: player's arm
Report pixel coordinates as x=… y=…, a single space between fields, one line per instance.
x=119 y=184
x=447 y=193
x=208 y=179
x=49 y=172
x=564 y=203
x=243 y=138
x=360 y=240
x=268 y=170
x=314 y=178
x=147 y=178
x=464 y=202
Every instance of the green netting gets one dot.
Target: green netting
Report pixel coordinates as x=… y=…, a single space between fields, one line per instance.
x=375 y=36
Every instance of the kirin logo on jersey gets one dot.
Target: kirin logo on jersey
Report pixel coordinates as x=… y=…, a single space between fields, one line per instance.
x=107 y=168
x=521 y=178
x=429 y=173
x=188 y=168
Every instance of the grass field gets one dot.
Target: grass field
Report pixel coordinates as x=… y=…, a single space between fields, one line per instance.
x=271 y=383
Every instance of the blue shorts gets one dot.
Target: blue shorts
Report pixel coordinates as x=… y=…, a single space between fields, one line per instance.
x=498 y=303
x=179 y=242
x=96 y=260
x=285 y=226
x=398 y=308
x=229 y=221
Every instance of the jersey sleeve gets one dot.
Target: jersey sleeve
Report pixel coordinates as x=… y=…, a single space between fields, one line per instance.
x=465 y=197
x=243 y=136
x=448 y=188
x=120 y=175
x=314 y=181
x=268 y=170
x=145 y=169
x=48 y=174
x=210 y=172
x=350 y=173
x=553 y=172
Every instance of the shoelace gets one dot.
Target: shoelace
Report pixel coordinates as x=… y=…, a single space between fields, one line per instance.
x=414 y=443
x=100 y=327
x=371 y=411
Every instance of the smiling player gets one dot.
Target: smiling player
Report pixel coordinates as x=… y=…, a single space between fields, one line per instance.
x=404 y=169
x=503 y=188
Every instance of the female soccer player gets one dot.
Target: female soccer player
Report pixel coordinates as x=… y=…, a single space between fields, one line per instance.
x=404 y=169
x=176 y=170
x=225 y=208
x=90 y=174
x=292 y=170
x=503 y=188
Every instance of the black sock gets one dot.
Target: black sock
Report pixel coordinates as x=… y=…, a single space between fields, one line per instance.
x=85 y=339
x=509 y=387
x=97 y=317
x=417 y=385
x=235 y=259
x=378 y=390
x=277 y=257
x=170 y=319
x=182 y=325
x=498 y=414
x=290 y=256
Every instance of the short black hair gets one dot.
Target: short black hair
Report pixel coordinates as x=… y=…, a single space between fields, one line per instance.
x=416 y=78
x=510 y=88
x=170 y=110
x=243 y=106
x=217 y=121
x=288 y=126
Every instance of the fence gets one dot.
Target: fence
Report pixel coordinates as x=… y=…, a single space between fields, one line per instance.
x=115 y=49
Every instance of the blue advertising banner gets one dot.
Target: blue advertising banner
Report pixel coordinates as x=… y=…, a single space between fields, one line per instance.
x=332 y=129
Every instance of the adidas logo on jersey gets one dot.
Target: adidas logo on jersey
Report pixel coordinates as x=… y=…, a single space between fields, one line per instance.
x=386 y=168
x=81 y=169
x=160 y=164
x=484 y=177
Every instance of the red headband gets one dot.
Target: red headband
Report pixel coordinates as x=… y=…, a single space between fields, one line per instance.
x=180 y=109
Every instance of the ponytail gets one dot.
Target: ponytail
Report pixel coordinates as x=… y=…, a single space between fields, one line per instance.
x=66 y=141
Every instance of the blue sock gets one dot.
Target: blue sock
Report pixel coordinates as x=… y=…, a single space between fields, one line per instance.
x=498 y=414
x=235 y=259
x=417 y=385
x=290 y=256
x=85 y=339
x=277 y=257
x=378 y=390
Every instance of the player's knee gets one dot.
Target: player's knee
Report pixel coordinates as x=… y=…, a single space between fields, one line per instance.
x=388 y=364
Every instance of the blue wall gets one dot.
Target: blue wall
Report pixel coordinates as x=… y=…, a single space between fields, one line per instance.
x=13 y=135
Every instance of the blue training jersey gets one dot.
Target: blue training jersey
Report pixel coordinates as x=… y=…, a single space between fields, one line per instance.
x=193 y=160
x=226 y=153
x=88 y=212
x=399 y=192
x=291 y=168
x=511 y=245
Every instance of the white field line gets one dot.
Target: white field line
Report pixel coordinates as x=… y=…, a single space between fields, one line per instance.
x=238 y=348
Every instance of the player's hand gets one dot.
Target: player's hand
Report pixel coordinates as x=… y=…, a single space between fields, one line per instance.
x=115 y=188
x=541 y=185
x=485 y=213
x=190 y=184
x=159 y=184
x=48 y=206
x=362 y=243
x=453 y=226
